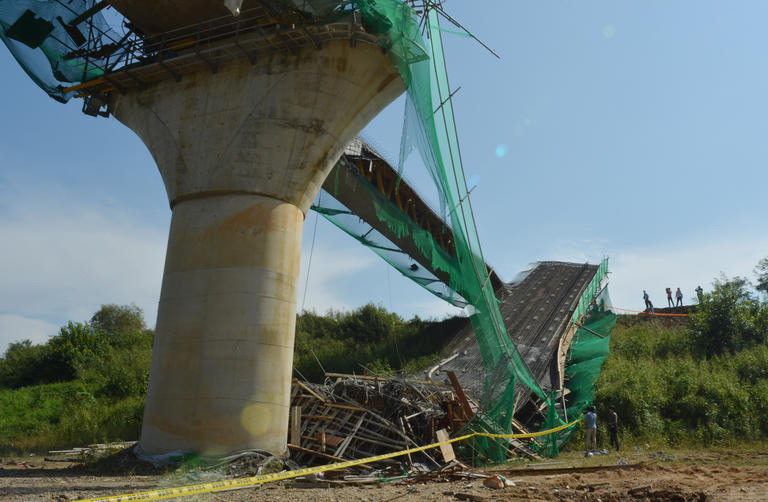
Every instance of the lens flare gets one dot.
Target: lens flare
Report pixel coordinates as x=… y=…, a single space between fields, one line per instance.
x=501 y=150
x=256 y=419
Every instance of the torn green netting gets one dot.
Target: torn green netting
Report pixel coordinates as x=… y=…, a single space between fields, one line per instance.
x=335 y=212
x=592 y=289
x=430 y=129
x=51 y=52
x=590 y=347
x=38 y=35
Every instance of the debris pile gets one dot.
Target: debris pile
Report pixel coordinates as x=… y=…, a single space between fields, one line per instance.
x=354 y=417
x=91 y=451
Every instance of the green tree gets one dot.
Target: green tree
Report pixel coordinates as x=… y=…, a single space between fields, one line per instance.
x=25 y=364
x=76 y=346
x=762 y=275
x=119 y=319
x=729 y=318
x=369 y=325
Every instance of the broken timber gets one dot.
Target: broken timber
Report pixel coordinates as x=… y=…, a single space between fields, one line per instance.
x=352 y=418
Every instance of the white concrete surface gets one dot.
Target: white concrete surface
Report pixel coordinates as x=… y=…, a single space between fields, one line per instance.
x=242 y=153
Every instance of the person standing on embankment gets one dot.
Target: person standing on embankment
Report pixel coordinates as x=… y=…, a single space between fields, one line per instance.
x=590 y=420
x=613 y=427
x=648 y=304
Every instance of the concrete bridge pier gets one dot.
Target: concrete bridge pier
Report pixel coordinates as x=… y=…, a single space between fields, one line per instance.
x=242 y=153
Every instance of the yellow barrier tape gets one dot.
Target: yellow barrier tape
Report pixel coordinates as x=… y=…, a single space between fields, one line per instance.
x=183 y=491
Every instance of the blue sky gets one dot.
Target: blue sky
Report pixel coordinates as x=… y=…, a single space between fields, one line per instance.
x=634 y=130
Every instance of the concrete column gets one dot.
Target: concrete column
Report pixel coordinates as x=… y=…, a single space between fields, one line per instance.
x=242 y=153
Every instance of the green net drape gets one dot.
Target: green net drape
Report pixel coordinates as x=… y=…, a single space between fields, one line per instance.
x=38 y=34
x=429 y=129
x=590 y=347
x=34 y=32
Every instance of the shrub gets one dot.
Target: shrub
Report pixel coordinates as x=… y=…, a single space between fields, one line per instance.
x=730 y=318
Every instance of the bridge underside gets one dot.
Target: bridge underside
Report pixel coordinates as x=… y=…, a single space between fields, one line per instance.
x=153 y=17
x=362 y=183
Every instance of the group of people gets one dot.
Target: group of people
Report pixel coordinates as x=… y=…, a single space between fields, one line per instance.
x=590 y=420
x=670 y=301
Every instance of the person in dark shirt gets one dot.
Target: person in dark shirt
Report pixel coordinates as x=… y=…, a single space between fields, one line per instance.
x=670 y=302
x=613 y=427
x=648 y=304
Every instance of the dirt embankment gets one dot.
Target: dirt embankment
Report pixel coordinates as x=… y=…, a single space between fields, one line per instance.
x=692 y=476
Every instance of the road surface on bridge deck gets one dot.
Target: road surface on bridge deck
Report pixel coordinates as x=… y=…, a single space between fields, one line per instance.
x=537 y=313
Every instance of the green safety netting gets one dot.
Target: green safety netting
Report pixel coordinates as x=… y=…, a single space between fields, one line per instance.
x=430 y=130
x=58 y=50
x=53 y=51
x=338 y=214
x=590 y=347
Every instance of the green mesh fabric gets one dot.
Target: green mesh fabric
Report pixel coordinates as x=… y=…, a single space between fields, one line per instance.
x=335 y=212
x=429 y=129
x=49 y=57
x=34 y=32
x=590 y=347
x=585 y=359
x=592 y=289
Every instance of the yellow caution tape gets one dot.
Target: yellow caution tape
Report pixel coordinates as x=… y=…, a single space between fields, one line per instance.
x=183 y=491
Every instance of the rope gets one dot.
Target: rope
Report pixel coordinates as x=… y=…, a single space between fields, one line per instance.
x=311 y=252
x=642 y=312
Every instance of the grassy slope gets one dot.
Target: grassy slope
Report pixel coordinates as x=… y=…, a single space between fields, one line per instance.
x=665 y=395
x=105 y=402
x=62 y=415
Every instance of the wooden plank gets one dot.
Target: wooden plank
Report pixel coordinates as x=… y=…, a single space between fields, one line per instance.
x=402 y=425
x=348 y=439
x=317 y=396
x=446 y=449
x=296 y=424
x=460 y=394
x=522 y=430
x=322 y=455
x=345 y=407
x=382 y=379
x=317 y=417
x=319 y=408
x=328 y=439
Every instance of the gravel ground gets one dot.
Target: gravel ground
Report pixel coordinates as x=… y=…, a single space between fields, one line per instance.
x=691 y=476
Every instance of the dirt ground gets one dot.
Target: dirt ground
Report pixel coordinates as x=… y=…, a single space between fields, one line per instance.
x=678 y=476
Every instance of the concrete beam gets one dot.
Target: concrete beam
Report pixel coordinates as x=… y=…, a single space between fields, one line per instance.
x=370 y=169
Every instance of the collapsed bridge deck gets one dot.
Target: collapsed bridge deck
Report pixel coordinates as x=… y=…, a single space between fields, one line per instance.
x=538 y=313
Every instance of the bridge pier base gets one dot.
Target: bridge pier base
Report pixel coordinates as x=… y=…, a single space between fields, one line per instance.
x=242 y=153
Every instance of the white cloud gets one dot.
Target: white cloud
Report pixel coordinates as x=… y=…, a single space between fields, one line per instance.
x=684 y=265
x=689 y=261
x=14 y=328
x=331 y=266
x=64 y=255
